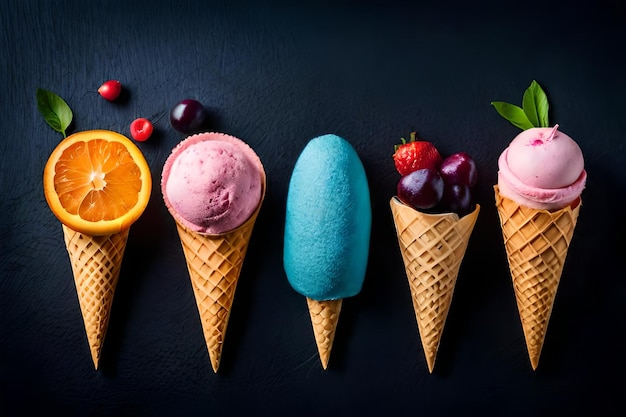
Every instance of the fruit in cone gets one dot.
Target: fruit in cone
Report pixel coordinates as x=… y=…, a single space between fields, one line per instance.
x=536 y=243
x=327 y=232
x=432 y=247
x=213 y=185
x=324 y=318
x=97 y=183
x=434 y=216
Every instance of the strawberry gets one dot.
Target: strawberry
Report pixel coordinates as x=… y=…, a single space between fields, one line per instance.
x=415 y=154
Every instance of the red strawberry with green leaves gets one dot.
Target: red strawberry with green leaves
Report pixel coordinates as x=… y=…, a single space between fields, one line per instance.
x=415 y=154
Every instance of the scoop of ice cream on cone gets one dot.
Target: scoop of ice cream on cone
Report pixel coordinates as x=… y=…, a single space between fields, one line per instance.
x=213 y=186
x=327 y=232
x=212 y=182
x=542 y=168
x=540 y=179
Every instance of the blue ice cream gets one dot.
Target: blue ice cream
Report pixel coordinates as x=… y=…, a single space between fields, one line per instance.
x=328 y=221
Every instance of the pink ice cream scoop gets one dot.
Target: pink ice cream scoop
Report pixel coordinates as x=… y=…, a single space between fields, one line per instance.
x=212 y=182
x=542 y=168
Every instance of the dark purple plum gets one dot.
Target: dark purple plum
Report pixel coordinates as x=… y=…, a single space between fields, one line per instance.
x=457 y=198
x=188 y=116
x=459 y=168
x=421 y=189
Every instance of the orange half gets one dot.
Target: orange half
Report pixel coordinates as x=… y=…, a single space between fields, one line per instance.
x=97 y=182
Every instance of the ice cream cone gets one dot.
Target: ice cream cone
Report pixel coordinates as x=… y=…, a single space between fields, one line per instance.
x=432 y=246
x=214 y=263
x=96 y=263
x=324 y=318
x=536 y=243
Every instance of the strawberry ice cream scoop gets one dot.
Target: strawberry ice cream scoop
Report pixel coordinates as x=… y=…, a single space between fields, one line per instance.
x=212 y=182
x=542 y=168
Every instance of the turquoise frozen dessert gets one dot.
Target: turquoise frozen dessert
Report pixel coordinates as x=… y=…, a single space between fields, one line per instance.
x=328 y=221
x=327 y=231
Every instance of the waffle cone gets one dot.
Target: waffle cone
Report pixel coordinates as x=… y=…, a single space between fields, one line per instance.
x=432 y=247
x=96 y=263
x=214 y=263
x=324 y=318
x=536 y=243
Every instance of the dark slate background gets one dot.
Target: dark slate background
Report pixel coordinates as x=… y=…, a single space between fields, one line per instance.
x=277 y=74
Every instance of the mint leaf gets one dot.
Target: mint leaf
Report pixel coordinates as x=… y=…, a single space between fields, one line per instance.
x=513 y=114
x=535 y=105
x=54 y=110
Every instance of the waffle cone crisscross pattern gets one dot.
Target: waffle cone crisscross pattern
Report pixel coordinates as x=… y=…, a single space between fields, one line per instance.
x=432 y=247
x=214 y=263
x=96 y=263
x=324 y=318
x=536 y=243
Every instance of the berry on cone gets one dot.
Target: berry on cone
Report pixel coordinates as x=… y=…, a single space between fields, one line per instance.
x=416 y=154
x=431 y=183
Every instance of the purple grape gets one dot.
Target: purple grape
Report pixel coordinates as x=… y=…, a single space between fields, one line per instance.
x=459 y=168
x=421 y=189
x=457 y=198
x=188 y=116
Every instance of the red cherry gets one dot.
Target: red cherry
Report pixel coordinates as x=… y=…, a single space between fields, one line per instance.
x=141 y=129
x=110 y=90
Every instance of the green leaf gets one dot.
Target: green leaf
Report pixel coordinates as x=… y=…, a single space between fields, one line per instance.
x=535 y=105
x=54 y=110
x=513 y=114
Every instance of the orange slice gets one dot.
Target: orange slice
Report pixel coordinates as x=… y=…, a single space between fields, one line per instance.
x=97 y=182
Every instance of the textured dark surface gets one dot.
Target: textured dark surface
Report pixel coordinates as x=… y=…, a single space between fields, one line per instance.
x=276 y=75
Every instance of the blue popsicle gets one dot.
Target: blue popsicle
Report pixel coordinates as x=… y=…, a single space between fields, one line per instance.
x=328 y=221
